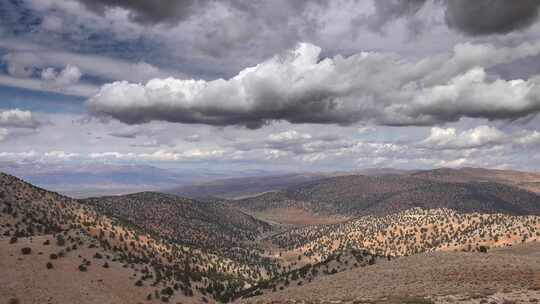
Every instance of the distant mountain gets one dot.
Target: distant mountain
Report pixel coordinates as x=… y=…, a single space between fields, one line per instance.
x=237 y=188
x=98 y=179
x=355 y=195
x=82 y=180
x=525 y=180
x=247 y=186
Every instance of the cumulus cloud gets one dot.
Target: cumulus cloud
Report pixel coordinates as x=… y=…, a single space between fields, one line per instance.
x=16 y=118
x=292 y=142
x=450 y=138
x=290 y=135
x=61 y=80
x=528 y=138
x=59 y=154
x=301 y=87
x=67 y=76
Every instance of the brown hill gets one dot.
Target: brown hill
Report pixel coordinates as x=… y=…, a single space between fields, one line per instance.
x=326 y=250
x=357 y=195
x=410 y=232
x=242 y=187
x=506 y=275
x=210 y=226
x=526 y=180
x=204 y=224
x=78 y=239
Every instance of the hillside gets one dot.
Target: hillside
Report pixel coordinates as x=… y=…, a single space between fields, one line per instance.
x=357 y=195
x=153 y=247
x=526 y=180
x=416 y=256
x=78 y=241
x=410 y=232
x=506 y=275
x=213 y=226
x=240 y=187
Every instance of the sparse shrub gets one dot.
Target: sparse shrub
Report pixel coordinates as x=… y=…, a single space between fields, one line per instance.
x=82 y=268
x=26 y=250
x=60 y=241
x=13 y=301
x=49 y=265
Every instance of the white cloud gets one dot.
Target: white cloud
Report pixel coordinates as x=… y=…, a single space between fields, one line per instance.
x=16 y=118
x=61 y=155
x=300 y=87
x=529 y=138
x=67 y=76
x=288 y=136
x=454 y=163
x=449 y=138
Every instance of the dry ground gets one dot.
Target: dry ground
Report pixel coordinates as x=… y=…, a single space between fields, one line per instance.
x=297 y=217
x=26 y=278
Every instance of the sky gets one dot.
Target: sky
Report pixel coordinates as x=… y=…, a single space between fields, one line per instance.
x=307 y=85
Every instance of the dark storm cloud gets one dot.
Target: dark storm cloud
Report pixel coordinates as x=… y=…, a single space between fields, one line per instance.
x=174 y=11
x=149 y=12
x=472 y=17
x=484 y=17
x=478 y=17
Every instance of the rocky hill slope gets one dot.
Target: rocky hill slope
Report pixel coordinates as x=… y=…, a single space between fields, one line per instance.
x=358 y=195
x=38 y=226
